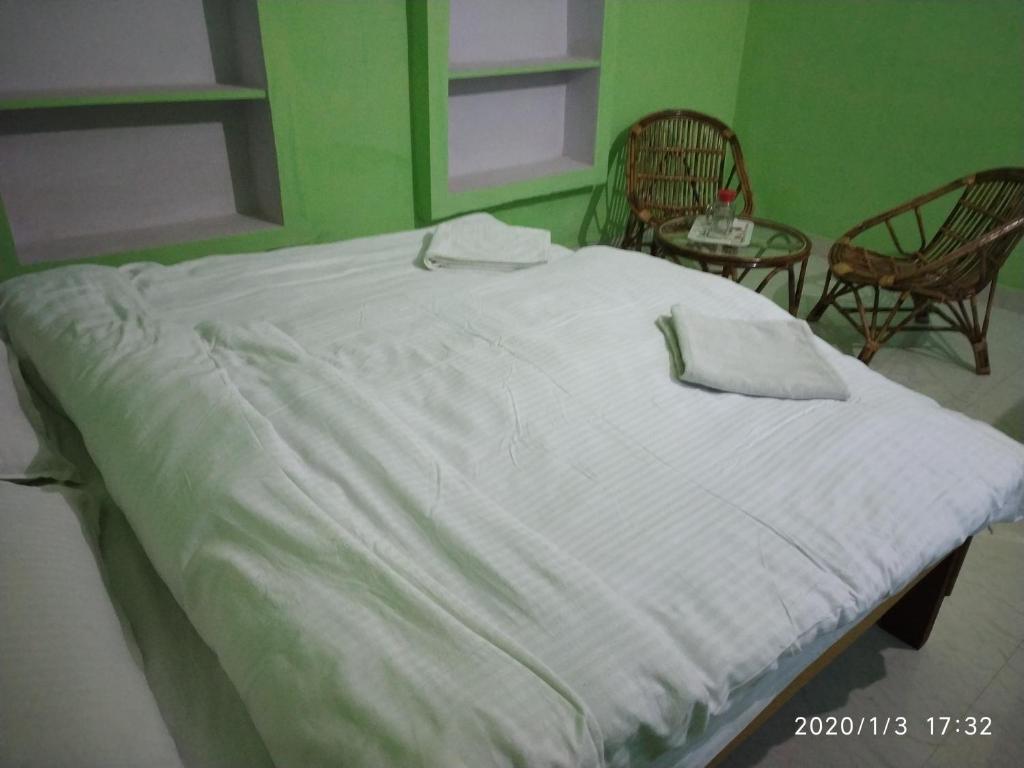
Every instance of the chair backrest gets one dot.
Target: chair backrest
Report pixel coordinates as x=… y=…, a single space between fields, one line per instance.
x=677 y=160
x=990 y=200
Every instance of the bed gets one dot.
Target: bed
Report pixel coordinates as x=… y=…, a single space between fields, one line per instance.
x=472 y=518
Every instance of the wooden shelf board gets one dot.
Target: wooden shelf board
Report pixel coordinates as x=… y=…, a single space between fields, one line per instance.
x=92 y=97
x=88 y=246
x=497 y=177
x=481 y=69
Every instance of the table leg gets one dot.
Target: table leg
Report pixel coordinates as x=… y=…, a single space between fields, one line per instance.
x=767 y=279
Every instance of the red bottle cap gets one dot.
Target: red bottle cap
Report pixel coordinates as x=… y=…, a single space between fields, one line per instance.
x=727 y=195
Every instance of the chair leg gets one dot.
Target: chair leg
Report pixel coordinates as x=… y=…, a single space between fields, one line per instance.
x=980 y=341
x=819 y=308
x=868 y=351
x=981 y=366
x=876 y=328
x=921 y=309
x=633 y=237
x=966 y=319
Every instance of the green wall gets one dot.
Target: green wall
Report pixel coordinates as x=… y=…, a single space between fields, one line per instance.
x=339 y=90
x=847 y=108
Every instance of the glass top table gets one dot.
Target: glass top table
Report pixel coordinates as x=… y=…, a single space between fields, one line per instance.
x=773 y=246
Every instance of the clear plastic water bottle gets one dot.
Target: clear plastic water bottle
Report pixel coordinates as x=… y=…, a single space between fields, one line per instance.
x=723 y=212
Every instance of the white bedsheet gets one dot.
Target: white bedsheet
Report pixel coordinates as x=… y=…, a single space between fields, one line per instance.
x=460 y=518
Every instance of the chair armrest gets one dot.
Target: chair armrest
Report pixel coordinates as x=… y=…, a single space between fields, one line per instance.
x=911 y=205
x=970 y=247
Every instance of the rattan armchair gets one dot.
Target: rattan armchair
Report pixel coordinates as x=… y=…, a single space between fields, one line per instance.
x=944 y=276
x=676 y=161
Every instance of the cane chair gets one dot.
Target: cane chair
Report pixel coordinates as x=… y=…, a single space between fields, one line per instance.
x=676 y=161
x=944 y=276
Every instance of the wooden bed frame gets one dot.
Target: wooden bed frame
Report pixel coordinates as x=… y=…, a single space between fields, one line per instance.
x=909 y=615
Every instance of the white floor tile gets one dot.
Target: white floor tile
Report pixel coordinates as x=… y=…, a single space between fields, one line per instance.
x=1003 y=701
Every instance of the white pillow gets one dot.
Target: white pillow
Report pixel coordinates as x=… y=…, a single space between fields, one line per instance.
x=24 y=455
x=71 y=693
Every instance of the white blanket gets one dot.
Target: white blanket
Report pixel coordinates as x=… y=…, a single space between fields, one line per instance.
x=480 y=241
x=764 y=358
x=470 y=519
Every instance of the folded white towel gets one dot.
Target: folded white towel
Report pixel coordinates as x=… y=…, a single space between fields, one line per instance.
x=480 y=241
x=764 y=358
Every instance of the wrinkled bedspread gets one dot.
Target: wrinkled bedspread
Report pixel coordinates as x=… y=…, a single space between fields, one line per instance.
x=454 y=518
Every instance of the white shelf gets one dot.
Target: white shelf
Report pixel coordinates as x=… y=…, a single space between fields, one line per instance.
x=88 y=246
x=505 y=101
x=521 y=121
x=126 y=125
x=497 y=177
x=49 y=98
x=475 y=69
x=523 y=84
x=62 y=44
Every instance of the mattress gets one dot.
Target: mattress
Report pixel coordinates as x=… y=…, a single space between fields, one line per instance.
x=453 y=517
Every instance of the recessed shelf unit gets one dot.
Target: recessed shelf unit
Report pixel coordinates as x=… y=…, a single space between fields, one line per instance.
x=133 y=124
x=506 y=98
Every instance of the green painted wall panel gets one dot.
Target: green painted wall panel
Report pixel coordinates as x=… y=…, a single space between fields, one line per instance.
x=339 y=89
x=848 y=108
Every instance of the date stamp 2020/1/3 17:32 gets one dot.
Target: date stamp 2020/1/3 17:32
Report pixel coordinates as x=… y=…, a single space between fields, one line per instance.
x=895 y=725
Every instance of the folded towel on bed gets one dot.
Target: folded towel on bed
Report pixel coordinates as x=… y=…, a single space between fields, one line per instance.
x=480 y=241
x=764 y=358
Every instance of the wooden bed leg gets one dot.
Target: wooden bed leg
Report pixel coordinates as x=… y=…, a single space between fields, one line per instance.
x=959 y=554
x=912 y=618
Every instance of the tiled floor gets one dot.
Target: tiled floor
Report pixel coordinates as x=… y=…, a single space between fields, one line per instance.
x=974 y=662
